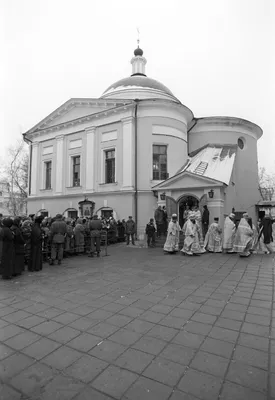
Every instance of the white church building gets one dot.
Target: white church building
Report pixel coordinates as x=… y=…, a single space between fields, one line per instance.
x=137 y=147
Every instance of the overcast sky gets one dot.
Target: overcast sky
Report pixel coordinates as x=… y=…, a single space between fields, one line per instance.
x=216 y=56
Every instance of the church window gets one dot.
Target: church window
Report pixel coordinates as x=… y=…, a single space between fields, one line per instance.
x=240 y=143
x=48 y=175
x=76 y=170
x=110 y=161
x=160 y=162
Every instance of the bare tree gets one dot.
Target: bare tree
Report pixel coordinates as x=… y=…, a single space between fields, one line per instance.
x=16 y=177
x=266 y=184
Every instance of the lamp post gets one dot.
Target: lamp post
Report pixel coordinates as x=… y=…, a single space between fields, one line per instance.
x=211 y=194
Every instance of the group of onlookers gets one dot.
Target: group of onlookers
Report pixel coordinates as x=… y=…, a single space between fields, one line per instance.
x=243 y=238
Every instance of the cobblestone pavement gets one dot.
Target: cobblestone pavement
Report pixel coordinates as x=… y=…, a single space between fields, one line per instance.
x=139 y=325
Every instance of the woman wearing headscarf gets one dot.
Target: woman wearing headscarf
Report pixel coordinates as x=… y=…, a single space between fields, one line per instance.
x=244 y=237
x=7 y=249
x=172 y=240
x=191 y=244
x=19 y=247
x=36 y=258
x=229 y=232
x=79 y=236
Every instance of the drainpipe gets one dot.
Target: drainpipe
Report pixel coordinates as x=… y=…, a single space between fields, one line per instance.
x=136 y=162
x=189 y=130
x=28 y=141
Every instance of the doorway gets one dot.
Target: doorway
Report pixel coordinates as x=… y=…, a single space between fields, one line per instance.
x=186 y=203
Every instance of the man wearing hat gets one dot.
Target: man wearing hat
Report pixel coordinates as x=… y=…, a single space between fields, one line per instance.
x=57 y=233
x=130 y=230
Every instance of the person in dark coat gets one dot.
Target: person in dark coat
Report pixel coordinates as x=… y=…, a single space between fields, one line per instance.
x=19 y=248
x=205 y=220
x=151 y=233
x=26 y=232
x=58 y=233
x=36 y=257
x=266 y=231
x=131 y=230
x=95 y=229
x=7 y=249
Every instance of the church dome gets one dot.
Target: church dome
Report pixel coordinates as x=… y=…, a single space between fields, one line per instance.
x=138 y=85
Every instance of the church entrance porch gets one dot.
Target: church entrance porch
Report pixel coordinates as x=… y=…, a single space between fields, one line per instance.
x=186 y=204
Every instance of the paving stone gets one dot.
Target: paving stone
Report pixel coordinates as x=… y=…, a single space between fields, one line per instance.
x=232 y=391
x=9 y=331
x=83 y=324
x=134 y=360
x=255 y=329
x=62 y=358
x=61 y=388
x=22 y=340
x=119 y=320
x=31 y=380
x=30 y=322
x=178 y=395
x=131 y=312
x=66 y=318
x=143 y=304
x=254 y=378
x=161 y=308
x=151 y=316
x=140 y=326
x=218 y=347
x=150 y=345
x=197 y=327
x=16 y=316
x=272 y=385
x=50 y=313
x=12 y=365
x=188 y=305
x=178 y=354
x=254 y=342
x=250 y=356
x=261 y=304
x=8 y=393
x=204 y=318
x=91 y=394
x=103 y=329
x=46 y=328
x=189 y=339
x=210 y=364
x=223 y=334
x=233 y=314
x=172 y=322
x=114 y=307
x=257 y=319
x=5 y=351
x=86 y=368
x=163 y=332
x=235 y=307
x=6 y=311
x=228 y=324
x=83 y=310
x=36 y=308
x=84 y=342
x=107 y=350
x=164 y=371
x=114 y=381
x=202 y=385
x=41 y=348
x=64 y=334
x=3 y=323
x=146 y=389
x=181 y=313
x=125 y=337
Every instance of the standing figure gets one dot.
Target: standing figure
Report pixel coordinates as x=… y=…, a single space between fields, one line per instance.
x=165 y=220
x=95 y=227
x=69 y=239
x=266 y=232
x=36 y=258
x=79 y=237
x=130 y=230
x=19 y=247
x=7 y=249
x=213 y=238
x=58 y=232
x=198 y=218
x=120 y=231
x=87 y=236
x=186 y=214
x=150 y=232
x=172 y=240
x=45 y=240
x=191 y=245
x=1 y=239
x=159 y=218
x=26 y=232
x=244 y=237
x=205 y=221
x=229 y=232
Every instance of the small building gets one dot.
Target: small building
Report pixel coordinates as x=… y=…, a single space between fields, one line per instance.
x=137 y=147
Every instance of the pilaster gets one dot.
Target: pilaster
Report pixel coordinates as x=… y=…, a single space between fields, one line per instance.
x=59 y=173
x=128 y=153
x=90 y=154
x=34 y=168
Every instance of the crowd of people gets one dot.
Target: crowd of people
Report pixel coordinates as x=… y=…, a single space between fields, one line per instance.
x=33 y=240
x=243 y=238
x=29 y=242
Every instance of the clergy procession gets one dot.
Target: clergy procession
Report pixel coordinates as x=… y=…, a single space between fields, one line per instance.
x=35 y=240
x=243 y=238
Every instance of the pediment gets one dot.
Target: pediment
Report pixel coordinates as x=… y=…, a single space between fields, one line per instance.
x=73 y=109
x=187 y=180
